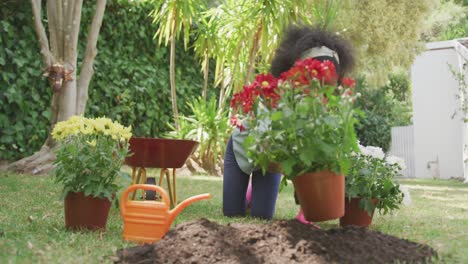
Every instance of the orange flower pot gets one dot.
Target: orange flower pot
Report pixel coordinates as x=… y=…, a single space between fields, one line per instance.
x=355 y=215
x=321 y=195
x=85 y=212
x=148 y=221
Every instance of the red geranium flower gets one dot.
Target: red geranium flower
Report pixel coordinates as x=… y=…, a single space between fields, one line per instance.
x=303 y=71
x=237 y=123
x=264 y=86
x=348 y=82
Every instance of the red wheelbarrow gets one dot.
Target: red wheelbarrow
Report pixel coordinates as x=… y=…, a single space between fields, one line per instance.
x=158 y=153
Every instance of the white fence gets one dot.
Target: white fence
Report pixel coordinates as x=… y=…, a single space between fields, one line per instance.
x=402 y=146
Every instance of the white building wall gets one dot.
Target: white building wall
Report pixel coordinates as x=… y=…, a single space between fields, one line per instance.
x=439 y=136
x=402 y=146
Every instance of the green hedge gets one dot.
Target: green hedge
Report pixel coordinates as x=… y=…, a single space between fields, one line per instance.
x=383 y=108
x=131 y=81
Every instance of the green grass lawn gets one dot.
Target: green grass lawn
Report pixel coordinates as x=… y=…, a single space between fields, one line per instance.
x=32 y=219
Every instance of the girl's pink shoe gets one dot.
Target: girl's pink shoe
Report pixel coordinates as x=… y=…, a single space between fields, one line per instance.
x=248 y=194
x=300 y=217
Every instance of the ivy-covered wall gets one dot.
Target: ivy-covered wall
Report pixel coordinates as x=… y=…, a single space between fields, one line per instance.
x=130 y=84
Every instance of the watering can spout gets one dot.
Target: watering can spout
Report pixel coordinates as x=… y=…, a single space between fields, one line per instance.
x=176 y=211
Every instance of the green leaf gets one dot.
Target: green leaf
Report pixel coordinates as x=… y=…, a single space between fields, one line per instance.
x=276 y=116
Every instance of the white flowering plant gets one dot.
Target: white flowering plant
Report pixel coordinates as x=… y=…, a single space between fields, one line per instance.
x=89 y=155
x=373 y=176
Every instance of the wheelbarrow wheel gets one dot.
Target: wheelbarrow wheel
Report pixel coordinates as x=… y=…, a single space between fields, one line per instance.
x=150 y=195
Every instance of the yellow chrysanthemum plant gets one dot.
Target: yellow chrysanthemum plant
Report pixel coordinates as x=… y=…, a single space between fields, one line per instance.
x=90 y=154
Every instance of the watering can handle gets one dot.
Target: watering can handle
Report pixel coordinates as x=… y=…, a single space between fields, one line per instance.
x=150 y=187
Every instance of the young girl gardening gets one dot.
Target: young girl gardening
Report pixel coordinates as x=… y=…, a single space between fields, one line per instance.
x=259 y=192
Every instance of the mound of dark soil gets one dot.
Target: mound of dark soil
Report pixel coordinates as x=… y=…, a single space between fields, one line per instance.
x=203 y=241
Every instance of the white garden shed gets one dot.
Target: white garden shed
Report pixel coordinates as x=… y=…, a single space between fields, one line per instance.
x=440 y=137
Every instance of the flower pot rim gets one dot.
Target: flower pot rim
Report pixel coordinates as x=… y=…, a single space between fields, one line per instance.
x=90 y=195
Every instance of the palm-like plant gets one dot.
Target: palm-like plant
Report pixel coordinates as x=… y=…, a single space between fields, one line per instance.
x=174 y=17
x=325 y=13
x=205 y=45
x=247 y=32
x=209 y=126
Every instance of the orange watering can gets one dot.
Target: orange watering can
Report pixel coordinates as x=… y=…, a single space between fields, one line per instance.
x=149 y=221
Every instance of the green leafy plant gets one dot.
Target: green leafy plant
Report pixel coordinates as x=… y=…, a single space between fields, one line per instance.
x=302 y=122
x=209 y=126
x=383 y=108
x=374 y=129
x=373 y=176
x=90 y=154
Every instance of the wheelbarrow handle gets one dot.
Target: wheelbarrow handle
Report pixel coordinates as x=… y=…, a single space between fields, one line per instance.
x=133 y=187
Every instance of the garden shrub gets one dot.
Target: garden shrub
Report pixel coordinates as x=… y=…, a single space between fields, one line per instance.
x=24 y=94
x=383 y=108
x=130 y=84
x=210 y=126
x=374 y=130
x=399 y=85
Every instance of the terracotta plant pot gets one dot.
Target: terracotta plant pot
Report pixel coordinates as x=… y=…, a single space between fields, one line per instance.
x=355 y=215
x=86 y=212
x=321 y=195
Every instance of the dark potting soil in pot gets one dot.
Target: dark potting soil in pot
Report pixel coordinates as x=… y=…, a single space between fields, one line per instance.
x=203 y=241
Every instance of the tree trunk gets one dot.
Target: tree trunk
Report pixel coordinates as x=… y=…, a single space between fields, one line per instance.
x=87 y=70
x=224 y=92
x=64 y=17
x=253 y=52
x=173 y=83
x=205 y=75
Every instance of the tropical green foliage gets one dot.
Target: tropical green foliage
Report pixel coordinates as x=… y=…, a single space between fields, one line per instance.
x=244 y=35
x=209 y=126
x=204 y=46
x=130 y=84
x=172 y=17
x=247 y=32
x=325 y=13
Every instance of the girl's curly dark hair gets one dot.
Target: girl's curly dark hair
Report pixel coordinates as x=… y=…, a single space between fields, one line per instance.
x=299 y=39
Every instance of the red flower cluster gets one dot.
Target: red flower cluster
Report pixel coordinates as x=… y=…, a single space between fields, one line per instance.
x=267 y=88
x=348 y=82
x=304 y=71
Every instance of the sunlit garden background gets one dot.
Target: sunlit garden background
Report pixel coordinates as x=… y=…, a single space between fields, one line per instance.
x=146 y=73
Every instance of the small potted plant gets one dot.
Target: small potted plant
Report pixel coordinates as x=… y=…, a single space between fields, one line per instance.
x=89 y=156
x=371 y=184
x=303 y=123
